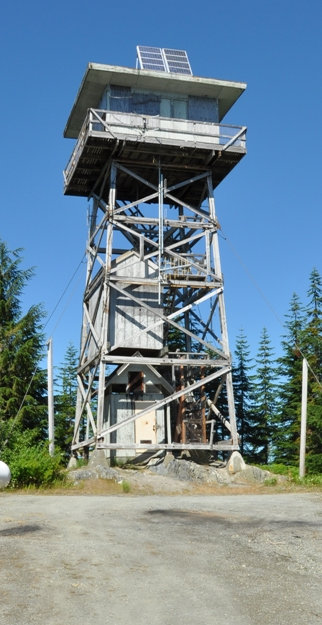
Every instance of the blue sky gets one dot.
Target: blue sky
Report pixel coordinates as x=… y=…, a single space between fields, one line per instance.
x=270 y=205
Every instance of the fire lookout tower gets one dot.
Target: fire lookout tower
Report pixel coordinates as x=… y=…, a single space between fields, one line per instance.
x=154 y=357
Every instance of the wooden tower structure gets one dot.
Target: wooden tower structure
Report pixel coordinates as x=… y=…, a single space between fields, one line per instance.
x=155 y=366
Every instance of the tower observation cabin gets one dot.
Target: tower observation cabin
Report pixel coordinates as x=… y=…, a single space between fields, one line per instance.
x=151 y=146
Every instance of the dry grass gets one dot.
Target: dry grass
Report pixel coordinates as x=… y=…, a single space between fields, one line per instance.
x=142 y=483
x=103 y=487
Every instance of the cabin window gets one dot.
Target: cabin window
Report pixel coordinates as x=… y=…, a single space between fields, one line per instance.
x=120 y=99
x=124 y=100
x=145 y=104
x=179 y=109
x=195 y=108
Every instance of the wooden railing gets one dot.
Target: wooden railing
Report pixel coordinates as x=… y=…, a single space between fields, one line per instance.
x=134 y=127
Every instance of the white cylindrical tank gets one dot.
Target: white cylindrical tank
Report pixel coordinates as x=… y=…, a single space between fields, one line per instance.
x=5 y=474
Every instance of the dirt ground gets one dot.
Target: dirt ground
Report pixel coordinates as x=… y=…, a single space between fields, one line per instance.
x=127 y=559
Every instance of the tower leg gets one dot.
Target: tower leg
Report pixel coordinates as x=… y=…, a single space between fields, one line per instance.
x=223 y=320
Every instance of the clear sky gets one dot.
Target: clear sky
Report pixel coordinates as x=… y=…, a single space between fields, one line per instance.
x=269 y=207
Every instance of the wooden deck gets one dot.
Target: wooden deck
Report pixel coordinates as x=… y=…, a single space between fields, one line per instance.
x=182 y=148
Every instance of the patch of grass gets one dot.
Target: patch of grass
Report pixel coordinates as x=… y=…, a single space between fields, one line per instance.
x=126 y=486
x=271 y=481
x=81 y=462
x=292 y=474
x=310 y=480
x=280 y=469
x=89 y=487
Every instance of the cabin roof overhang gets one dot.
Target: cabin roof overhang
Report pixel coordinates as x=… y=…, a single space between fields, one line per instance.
x=97 y=77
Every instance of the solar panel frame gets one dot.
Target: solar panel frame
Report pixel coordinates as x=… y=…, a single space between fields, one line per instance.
x=167 y=60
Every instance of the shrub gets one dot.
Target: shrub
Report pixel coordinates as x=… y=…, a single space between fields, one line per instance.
x=314 y=463
x=313 y=476
x=30 y=463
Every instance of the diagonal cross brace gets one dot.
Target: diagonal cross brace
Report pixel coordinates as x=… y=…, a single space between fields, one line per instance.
x=165 y=401
x=169 y=319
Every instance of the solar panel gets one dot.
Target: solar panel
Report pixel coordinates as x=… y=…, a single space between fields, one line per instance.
x=151 y=58
x=177 y=61
x=163 y=60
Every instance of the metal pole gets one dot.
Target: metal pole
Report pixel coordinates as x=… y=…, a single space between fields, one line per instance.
x=51 y=429
x=303 y=416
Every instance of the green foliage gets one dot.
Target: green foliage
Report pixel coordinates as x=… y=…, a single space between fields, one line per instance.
x=303 y=339
x=81 y=462
x=65 y=402
x=312 y=348
x=126 y=487
x=286 y=437
x=23 y=405
x=281 y=469
x=29 y=461
x=243 y=390
x=313 y=463
x=176 y=339
x=22 y=384
x=264 y=400
x=271 y=481
x=313 y=478
x=268 y=404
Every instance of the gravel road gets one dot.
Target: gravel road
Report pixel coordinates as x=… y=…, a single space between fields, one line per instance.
x=193 y=560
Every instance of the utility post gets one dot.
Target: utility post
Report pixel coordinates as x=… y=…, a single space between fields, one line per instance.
x=51 y=430
x=303 y=417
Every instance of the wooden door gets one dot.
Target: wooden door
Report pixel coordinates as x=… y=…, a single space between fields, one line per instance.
x=145 y=427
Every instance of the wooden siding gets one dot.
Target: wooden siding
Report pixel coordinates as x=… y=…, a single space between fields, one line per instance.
x=128 y=319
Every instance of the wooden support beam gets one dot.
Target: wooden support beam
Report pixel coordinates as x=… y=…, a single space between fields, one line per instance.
x=219 y=446
x=165 y=401
x=163 y=318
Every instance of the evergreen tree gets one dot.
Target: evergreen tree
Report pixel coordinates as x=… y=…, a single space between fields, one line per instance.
x=65 y=402
x=303 y=340
x=312 y=350
x=176 y=340
x=312 y=333
x=287 y=426
x=22 y=385
x=264 y=400
x=243 y=394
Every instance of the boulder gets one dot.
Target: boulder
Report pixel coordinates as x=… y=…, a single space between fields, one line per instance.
x=236 y=463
